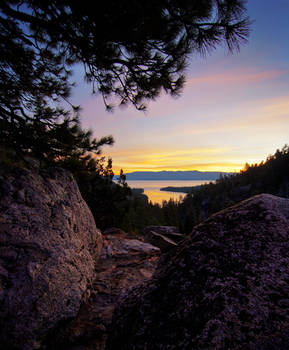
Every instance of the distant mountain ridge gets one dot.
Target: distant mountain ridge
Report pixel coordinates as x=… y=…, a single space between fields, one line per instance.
x=175 y=175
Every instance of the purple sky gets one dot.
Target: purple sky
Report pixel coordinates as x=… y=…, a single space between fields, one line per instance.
x=234 y=108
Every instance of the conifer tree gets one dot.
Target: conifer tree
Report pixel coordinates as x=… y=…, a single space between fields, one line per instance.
x=129 y=49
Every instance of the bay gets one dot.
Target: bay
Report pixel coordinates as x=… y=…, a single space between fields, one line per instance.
x=152 y=188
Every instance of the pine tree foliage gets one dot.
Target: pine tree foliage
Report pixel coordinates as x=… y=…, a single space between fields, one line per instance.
x=131 y=50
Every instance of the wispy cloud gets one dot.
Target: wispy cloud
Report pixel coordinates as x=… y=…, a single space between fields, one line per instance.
x=256 y=115
x=236 y=77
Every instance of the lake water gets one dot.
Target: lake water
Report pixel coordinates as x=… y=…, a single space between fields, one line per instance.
x=152 y=188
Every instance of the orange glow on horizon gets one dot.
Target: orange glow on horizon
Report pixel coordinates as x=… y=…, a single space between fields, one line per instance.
x=232 y=168
x=201 y=159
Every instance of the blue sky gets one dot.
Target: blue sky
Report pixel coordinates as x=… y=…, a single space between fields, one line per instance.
x=234 y=108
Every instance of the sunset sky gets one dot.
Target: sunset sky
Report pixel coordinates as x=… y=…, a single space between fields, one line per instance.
x=234 y=108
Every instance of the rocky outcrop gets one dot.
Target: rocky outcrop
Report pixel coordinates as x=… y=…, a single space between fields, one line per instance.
x=124 y=264
x=225 y=287
x=48 y=247
x=164 y=237
x=119 y=233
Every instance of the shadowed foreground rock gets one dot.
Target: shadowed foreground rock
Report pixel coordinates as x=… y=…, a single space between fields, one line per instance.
x=48 y=247
x=226 y=287
x=124 y=263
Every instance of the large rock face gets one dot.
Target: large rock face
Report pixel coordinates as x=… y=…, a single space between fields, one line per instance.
x=226 y=287
x=48 y=247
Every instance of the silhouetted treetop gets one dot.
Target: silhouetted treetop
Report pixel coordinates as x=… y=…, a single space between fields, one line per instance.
x=132 y=49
